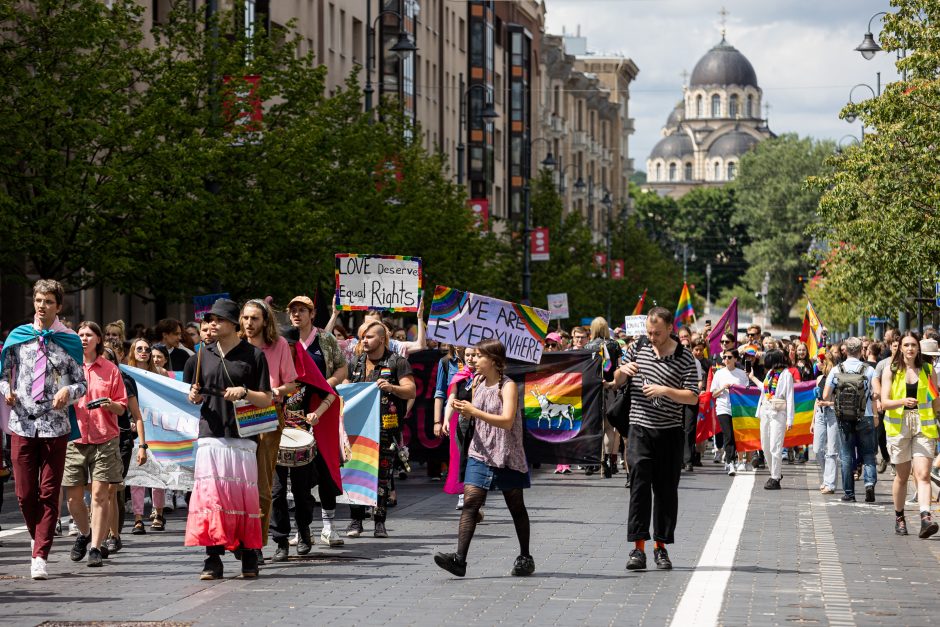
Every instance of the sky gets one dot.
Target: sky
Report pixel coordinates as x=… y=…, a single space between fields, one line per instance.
x=802 y=50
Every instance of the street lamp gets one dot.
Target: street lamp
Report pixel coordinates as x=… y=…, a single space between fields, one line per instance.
x=851 y=117
x=402 y=48
x=562 y=186
x=869 y=47
x=708 y=288
x=487 y=114
x=608 y=203
x=548 y=162
x=688 y=254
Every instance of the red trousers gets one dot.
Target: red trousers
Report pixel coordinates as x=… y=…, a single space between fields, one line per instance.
x=38 y=464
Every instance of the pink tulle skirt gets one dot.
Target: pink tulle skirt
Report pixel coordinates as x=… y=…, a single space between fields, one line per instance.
x=224 y=508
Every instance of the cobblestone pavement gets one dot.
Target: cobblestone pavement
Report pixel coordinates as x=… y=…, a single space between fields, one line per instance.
x=801 y=558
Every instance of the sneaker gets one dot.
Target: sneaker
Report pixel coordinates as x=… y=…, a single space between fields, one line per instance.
x=282 y=552
x=114 y=544
x=354 y=530
x=94 y=558
x=637 y=560
x=661 y=557
x=730 y=469
x=80 y=548
x=451 y=563
x=73 y=528
x=523 y=566
x=900 y=526
x=168 y=504
x=689 y=467
x=304 y=545
x=250 y=563
x=772 y=484
x=479 y=515
x=212 y=569
x=460 y=497
x=566 y=470
x=717 y=458
x=37 y=569
x=935 y=475
x=105 y=553
x=58 y=527
x=294 y=538
x=848 y=498
x=138 y=529
x=627 y=483
x=330 y=538
x=913 y=498
x=928 y=527
x=869 y=494
x=179 y=499
x=827 y=490
x=882 y=465
x=380 y=531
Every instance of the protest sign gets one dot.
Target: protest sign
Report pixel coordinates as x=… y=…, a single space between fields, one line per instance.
x=466 y=319
x=202 y=304
x=634 y=325
x=386 y=282
x=558 y=306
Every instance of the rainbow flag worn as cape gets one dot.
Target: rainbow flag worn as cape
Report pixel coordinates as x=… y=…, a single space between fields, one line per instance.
x=638 y=310
x=747 y=424
x=684 y=311
x=361 y=418
x=811 y=334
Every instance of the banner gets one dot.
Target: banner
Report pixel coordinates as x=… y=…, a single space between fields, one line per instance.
x=616 y=269
x=747 y=424
x=558 y=306
x=634 y=325
x=171 y=428
x=417 y=428
x=466 y=319
x=481 y=211
x=728 y=323
x=202 y=304
x=386 y=282
x=361 y=418
x=562 y=405
x=538 y=244
x=600 y=260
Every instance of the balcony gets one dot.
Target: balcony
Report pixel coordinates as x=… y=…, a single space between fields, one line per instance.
x=579 y=140
x=628 y=126
x=559 y=125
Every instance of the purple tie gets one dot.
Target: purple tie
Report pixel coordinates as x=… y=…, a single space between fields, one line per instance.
x=39 y=373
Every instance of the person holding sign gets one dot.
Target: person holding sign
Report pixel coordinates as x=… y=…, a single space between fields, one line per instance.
x=663 y=380
x=392 y=374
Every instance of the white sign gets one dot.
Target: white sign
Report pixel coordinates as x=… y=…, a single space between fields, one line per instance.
x=386 y=282
x=634 y=325
x=558 y=306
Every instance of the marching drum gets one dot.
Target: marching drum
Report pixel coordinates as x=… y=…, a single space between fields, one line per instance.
x=297 y=448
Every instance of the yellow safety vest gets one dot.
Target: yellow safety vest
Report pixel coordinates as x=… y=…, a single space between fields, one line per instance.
x=894 y=417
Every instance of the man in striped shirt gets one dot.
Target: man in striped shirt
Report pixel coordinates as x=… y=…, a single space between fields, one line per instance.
x=662 y=378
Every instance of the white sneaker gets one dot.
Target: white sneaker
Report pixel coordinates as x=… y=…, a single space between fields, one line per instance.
x=731 y=471
x=37 y=569
x=293 y=539
x=179 y=500
x=331 y=538
x=73 y=528
x=460 y=501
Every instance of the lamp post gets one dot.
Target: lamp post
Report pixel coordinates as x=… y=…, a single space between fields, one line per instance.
x=402 y=47
x=608 y=204
x=488 y=114
x=562 y=170
x=548 y=162
x=708 y=289
x=875 y=92
x=870 y=47
x=687 y=255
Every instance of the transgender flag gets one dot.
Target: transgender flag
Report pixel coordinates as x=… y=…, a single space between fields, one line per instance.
x=684 y=311
x=361 y=419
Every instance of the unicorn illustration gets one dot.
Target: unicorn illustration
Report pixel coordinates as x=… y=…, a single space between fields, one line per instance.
x=552 y=410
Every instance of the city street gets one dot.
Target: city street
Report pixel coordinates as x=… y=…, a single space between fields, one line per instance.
x=798 y=557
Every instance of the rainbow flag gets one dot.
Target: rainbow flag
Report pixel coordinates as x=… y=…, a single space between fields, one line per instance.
x=684 y=311
x=638 y=310
x=811 y=334
x=360 y=415
x=931 y=386
x=561 y=390
x=747 y=424
x=180 y=452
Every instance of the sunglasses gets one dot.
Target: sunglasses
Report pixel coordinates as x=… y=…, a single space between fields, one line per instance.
x=726 y=341
x=142 y=349
x=727 y=357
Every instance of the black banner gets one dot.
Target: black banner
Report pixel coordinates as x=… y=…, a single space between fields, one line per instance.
x=418 y=428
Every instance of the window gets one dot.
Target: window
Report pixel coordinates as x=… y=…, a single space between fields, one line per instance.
x=556 y=100
x=749 y=107
x=359 y=51
x=732 y=170
x=717 y=171
x=716 y=106
x=672 y=171
x=331 y=38
x=462 y=34
x=688 y=171
x=733 y=106
x=699 y=110
x=659 y=172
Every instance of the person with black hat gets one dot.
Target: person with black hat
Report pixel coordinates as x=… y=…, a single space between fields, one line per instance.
x=224 y=511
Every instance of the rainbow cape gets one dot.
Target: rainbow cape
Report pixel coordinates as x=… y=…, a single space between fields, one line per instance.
x=747 y=424
x=684 y=311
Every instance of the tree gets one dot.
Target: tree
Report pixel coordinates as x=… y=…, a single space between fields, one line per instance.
x=879 y=204
x=776 y=208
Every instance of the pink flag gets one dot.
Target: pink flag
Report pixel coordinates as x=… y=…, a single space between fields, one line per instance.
x=728 y=323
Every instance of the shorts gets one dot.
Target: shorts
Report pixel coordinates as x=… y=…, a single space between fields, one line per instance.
x=85 y=463
x=904 y=447
x=491 y=478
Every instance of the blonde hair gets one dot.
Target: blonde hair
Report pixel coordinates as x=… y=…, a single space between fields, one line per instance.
x=600 y=329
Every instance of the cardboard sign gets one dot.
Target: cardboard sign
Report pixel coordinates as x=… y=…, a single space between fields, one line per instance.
x=634 y=325
x=466 y=319
x=385 y=282
x=202 y=304
x=558 y=306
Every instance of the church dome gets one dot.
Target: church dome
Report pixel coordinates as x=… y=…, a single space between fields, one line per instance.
x=675 y=146
x=733 y=144
x=676 y=116
x=723 y=65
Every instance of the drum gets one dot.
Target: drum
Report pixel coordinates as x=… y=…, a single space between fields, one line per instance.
x=297 y=448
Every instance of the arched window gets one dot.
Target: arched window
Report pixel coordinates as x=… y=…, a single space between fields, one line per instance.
x=733 y=106
x=659 y=172
x=699 y=110
x=688 y=171
x=716 y=106
x=717 y=171
x=732 y=170
x=749 y=110
x=672 y=171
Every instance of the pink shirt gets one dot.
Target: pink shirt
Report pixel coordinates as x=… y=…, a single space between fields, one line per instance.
x=280 y=365
x=100 y=425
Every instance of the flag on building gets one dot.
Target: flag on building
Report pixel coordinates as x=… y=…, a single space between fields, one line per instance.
x=638 y=310
x=684 y=311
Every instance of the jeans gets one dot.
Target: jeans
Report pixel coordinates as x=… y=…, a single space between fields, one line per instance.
x=827 y=442
x=861 y=434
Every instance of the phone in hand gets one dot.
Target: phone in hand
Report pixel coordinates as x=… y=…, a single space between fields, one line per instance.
x=98 y=402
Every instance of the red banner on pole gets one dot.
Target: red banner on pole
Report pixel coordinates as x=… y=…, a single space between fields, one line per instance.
x=241 y=106
x=600 y=260
x=616 y=269
x=538 y=244
x=481 y=209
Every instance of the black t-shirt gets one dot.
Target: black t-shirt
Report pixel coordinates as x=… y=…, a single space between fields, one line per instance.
x=316 y=354
x=393 y=368
x=124 y=420
x=245 y=365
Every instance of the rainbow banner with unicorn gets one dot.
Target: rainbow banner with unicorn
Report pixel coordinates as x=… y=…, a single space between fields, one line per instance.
x=360 y=416
x=466 y=319
x=747 y=424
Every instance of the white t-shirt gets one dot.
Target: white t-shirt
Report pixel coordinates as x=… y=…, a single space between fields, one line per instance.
x=721 y=378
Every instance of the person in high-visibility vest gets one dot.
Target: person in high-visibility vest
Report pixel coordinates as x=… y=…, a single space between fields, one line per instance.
x=910 y=399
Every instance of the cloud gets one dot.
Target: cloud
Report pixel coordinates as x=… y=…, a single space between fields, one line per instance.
x=802 y=51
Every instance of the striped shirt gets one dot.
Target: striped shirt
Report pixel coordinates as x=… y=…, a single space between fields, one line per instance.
x=672 y=371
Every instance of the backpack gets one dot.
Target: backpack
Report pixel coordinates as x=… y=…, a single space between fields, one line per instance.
x=850 y=395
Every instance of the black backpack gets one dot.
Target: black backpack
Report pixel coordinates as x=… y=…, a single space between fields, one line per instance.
x=850 y=395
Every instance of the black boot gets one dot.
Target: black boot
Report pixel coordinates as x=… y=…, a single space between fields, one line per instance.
x=606 y=467
x=249 y=564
